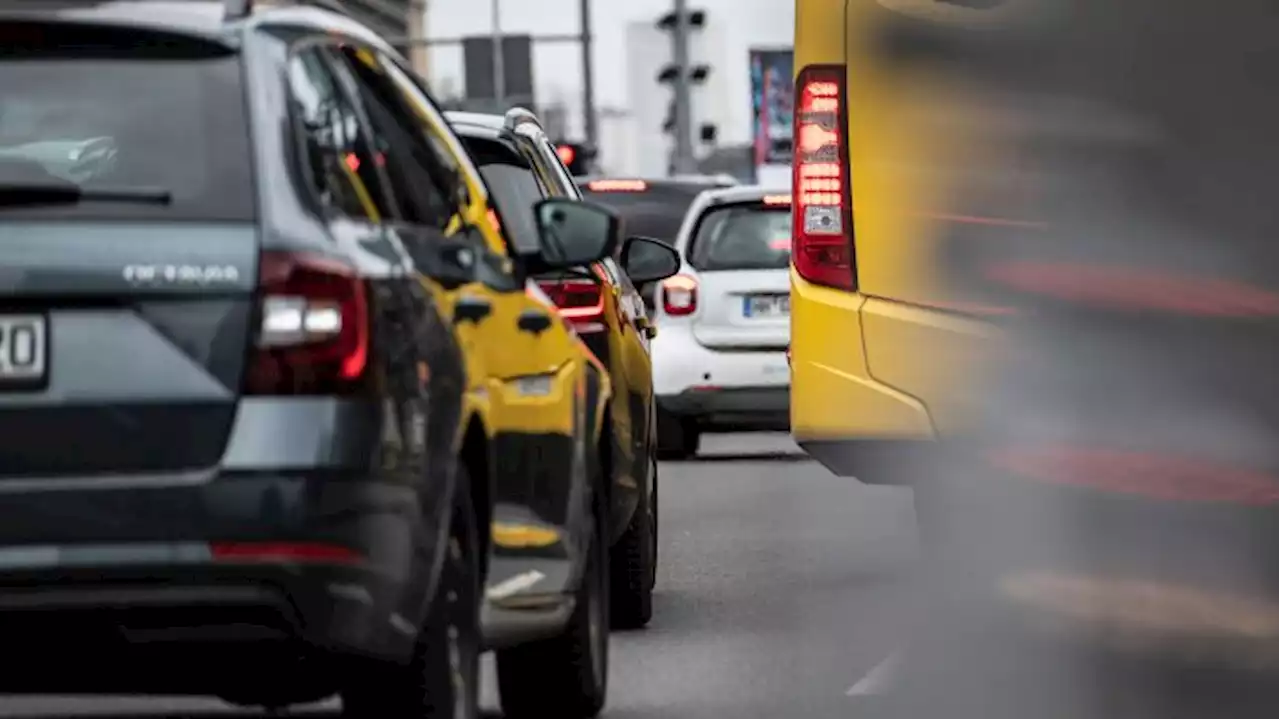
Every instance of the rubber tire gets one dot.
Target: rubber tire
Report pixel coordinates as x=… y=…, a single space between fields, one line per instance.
x=633 y=564
x=678 y=437
x=653 y=576
x=560 y=677
x=426 y=688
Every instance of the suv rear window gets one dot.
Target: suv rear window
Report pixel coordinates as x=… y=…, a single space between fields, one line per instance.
x=742 y=237
x=111 y=109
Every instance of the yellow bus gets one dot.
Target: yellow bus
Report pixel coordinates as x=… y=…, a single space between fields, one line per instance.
x=878 y=333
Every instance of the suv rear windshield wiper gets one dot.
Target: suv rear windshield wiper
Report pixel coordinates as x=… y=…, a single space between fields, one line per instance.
x=23 y=194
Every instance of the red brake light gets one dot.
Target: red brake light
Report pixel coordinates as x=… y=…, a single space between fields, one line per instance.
x=283 y=552
x=822 y=220
x=313 y=332
x=679 y=295
x=580 y=301
x=617 y=185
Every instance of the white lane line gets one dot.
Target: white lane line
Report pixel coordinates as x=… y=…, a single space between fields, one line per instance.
x=877 y=680
x=515 y=585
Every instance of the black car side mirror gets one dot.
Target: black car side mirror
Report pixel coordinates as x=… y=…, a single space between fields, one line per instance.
x=646 y=259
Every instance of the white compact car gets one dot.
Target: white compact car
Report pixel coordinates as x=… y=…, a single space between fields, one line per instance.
x=719 y=357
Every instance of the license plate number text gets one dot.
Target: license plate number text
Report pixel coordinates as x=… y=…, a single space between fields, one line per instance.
x=762 y=306
x=22 y=349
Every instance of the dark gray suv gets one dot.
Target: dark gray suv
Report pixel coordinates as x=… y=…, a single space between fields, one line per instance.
x=233 y=454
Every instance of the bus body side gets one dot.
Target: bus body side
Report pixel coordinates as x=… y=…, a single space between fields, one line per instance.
x=885 y=354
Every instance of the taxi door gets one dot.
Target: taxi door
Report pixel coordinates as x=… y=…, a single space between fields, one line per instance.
x=629 y=363
x=524 y=361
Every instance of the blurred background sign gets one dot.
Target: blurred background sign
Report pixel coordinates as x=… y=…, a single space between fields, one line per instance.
x=772 y=90
x=517 y=73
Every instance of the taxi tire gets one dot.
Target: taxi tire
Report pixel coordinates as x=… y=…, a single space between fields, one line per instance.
x=633 y=564
x=678 y=437
x=442 y=681
x=566 y=677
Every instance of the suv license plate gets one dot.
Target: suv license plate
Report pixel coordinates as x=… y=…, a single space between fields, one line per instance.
x=23 y=351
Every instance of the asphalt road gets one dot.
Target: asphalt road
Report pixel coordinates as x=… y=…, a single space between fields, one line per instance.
x=781 y=590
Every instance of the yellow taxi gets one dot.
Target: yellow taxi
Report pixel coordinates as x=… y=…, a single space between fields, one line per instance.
x=536 y=400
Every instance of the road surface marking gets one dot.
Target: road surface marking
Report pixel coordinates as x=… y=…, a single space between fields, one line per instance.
x=877 y=680
x=515 y=585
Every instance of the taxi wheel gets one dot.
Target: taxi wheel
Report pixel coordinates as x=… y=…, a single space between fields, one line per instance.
x=633 y=564
x=653 y=575
x=443 y=679
x=566 y=677
x=678 y=437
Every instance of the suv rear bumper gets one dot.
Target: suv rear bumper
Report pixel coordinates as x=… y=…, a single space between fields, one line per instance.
x=267 y=572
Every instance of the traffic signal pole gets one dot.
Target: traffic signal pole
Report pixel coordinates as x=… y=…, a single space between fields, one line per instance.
x=499 y=68
x=589 y=127
x=683 y=160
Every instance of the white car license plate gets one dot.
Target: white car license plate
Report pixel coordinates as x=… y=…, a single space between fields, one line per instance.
x=23 y=347
x=765 y=306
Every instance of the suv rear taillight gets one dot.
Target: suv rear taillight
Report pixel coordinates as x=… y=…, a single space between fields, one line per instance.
x=822 y=221
x=313 y=332
x=581 y=302
x=679 y=295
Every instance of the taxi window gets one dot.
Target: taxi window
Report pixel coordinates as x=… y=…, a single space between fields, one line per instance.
x=341 y=167
x=449 y=147
x=423 y=183
x=514 y=186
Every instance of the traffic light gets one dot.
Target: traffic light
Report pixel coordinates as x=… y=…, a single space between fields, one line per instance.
x=696 y=74
x=683 y=76
x=697 y=18
x=577 y=157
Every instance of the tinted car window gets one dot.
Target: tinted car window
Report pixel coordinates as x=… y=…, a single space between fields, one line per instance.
x=513 y=186
x=449 y=151
x=339 y=164
x=86 y=106
x=742 y=237
x=421 y=183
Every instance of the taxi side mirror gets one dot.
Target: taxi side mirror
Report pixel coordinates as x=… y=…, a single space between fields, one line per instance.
x=574 y=233
x=646 y=259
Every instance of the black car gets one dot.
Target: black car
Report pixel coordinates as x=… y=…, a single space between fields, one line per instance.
x=650 y=207
x=601 y=302
x=236 y=451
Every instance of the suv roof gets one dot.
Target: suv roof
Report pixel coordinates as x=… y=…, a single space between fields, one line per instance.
x=205 y=17
x=212 y=19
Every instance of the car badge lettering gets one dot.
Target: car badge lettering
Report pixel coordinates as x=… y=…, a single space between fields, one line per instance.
x=180 y=274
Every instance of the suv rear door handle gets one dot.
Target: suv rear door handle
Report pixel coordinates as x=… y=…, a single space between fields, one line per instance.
x=534 y=321
x=471 y=309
